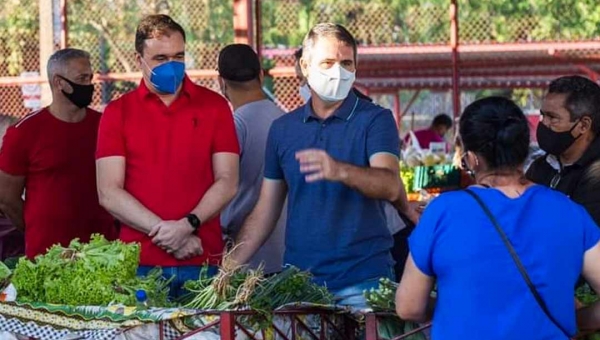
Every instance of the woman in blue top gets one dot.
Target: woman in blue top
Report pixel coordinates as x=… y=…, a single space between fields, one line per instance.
x=481 y=293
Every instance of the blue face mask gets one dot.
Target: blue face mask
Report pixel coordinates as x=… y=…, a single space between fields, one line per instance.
x=167 y=77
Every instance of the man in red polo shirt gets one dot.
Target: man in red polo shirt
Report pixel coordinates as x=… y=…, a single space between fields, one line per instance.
x=167 y=159
x=50 y=155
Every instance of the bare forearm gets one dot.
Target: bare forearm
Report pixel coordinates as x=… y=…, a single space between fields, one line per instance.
x=375 y=183
x=401 y=204
x=588 y=318
x=13 y=209
x=127 y=209
x=216 y=198
x=423 y=315
x=255 y=231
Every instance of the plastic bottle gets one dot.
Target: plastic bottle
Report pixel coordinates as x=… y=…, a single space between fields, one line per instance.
x=142 y=300
x=8 y=294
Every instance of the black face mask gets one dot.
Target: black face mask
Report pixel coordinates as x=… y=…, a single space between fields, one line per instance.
x=81 y=95
x=555 y=143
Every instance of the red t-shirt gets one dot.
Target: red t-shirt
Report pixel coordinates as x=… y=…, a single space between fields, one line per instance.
x=168 y=159
x=57 y=160
x=426 y=137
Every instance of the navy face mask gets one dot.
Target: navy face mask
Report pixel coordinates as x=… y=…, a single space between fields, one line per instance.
x=167 y=77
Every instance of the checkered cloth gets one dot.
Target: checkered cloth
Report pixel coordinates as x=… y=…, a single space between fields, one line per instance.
x=46 y=332
x=39 y=321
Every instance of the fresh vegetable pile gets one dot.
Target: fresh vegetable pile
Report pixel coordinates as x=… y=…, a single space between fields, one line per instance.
x=5 y=274
x=586 y=295
x=383 y=298
x=4 y=271
x=250 y=289
x=97 y=273
x=407 y=174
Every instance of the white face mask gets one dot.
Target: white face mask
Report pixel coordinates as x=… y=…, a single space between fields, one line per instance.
x=331 y=85
x=304 y=92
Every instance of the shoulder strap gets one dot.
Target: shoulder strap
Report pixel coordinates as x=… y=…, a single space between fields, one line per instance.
x=517 y=261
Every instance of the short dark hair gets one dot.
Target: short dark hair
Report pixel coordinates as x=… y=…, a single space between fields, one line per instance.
x=442 y=120
x=154 y=26
x=328 y=30
x=496 y=129
x=583 y=98
x=298 y=54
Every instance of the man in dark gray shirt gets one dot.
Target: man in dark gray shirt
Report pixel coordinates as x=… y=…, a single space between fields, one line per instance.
x=240 y=79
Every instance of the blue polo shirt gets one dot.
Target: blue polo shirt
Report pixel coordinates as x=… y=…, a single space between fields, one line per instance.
x=333 y=231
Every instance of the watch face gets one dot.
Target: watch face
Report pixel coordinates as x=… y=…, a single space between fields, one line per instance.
x=194 y=220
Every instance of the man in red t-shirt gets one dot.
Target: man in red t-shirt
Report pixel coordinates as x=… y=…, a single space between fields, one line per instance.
x=167 y=159
x=435 y=133
x=49 y=154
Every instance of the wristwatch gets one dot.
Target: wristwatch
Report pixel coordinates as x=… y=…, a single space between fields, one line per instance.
x=194 y=221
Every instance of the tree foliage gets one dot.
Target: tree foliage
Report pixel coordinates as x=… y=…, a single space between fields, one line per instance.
x=106 y=27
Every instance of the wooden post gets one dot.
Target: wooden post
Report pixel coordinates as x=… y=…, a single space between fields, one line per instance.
x=454 y=42
x=243 y=22
x=227 y=325
x=46 y=44
x=397 y=109
x=371 y=327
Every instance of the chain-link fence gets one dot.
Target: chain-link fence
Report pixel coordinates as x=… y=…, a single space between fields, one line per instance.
x=387 y=23
x=19 y=52
x=106 y=29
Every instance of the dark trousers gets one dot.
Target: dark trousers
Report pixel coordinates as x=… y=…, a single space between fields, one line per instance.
x=400 y=249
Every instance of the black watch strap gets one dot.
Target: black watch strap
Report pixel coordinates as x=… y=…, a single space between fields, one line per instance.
x=194 y=221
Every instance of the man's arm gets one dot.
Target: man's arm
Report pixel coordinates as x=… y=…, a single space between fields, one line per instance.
x=403 y=206
x=172 y=235
x=11 y=198
x=110 y=178
x=588 y=318
x=381 y=180
x=413 y=301
x=260 y=223
x=587 y=192
x=226 y=171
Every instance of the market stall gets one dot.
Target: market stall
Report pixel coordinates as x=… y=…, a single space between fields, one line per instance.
x=91 y=291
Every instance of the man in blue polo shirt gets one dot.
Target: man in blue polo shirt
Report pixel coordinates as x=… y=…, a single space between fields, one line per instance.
x=337 y=159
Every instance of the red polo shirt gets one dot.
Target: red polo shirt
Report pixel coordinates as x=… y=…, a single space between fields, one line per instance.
x=57 y=160
x=168 y=159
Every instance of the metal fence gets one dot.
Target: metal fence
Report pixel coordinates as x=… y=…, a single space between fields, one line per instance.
x=106 y=29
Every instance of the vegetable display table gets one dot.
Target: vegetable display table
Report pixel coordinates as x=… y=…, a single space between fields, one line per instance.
x=377 y=326
x=50 y=322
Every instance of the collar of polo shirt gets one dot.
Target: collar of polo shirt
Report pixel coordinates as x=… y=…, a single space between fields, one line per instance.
x=344 y=112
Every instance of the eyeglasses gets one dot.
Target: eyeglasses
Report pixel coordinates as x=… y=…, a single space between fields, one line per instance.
x=464 y=166
x=463 y=161
x=555 y=180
